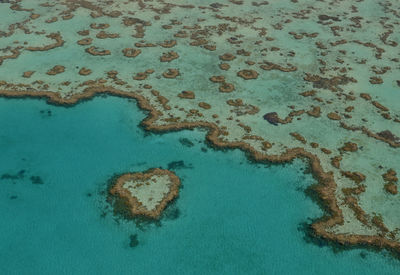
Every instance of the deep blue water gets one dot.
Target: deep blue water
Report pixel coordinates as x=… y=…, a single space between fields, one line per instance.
x=232 y=216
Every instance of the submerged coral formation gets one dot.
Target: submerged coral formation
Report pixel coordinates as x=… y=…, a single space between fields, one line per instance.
x=278 y=79
x=147 y=193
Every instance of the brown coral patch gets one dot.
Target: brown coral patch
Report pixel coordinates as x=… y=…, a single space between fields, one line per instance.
x=171 y=73
x=226 y=87
x=308 y=93
x=266 y=145
x=198 y=42
x=34 y=16
x=349 y=147
x=295 y=113
x=85 y=41
x=15 y=53
x=169 y=56
x=114 y=14
x=140 y=76
x=375 y=80
x=268 y=66
x=326 y=151
x=384 y=136
x=357 y=177
x=315 y=111
x=55 y=36
x=248 y=74
x=217 y=78
x=104 y=35
x=390 y=176
x=389 y=136
x=94 y=51
x=144 y=45
x=299 y=137
x=149 y=71
x=378 y=222
x=235 y=102
x=210 y=47
x=84 y=32
x=129 y=21
x=328 y=83
x=245 y=109
x=380 y=106
x=227 y=57
x=335 y=161
x=391 y=188
x=314 y=145
x=187 y=95
x=99 y=26
x=51 y=20
x=243 y=52
x=360 y=214
x=28 y=74
x=365 y=96
x=67 y=16
x=224 y=66
x=204 y=105
x=246 y=128
x=168 y=43
x=129 y=52
x=56 y=70
x=334 y=116
x=112 y=74
x=85 y=71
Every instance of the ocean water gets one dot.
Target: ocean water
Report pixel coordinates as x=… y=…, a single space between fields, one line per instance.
x=232 y=216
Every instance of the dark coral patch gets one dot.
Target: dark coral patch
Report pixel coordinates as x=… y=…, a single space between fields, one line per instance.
x=248 y=74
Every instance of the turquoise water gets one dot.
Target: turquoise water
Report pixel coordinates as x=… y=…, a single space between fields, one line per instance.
x=232 y=216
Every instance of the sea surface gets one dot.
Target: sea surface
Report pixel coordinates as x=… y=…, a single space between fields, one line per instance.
x=232 y=216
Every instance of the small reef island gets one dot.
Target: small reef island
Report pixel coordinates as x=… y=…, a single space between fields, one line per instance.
x=146 y=194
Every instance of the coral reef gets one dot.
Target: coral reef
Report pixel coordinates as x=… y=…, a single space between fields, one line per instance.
x=148 y=193
x=316 y=64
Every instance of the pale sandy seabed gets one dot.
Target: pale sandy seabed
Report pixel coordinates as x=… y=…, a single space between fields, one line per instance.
x=327 y=73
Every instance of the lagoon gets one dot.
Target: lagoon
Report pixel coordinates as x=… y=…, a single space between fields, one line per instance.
x=231 y=217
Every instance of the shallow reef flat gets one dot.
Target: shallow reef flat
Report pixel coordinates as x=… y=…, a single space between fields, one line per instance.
x=318 y=80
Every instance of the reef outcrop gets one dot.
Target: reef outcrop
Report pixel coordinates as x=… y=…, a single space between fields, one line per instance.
x=146 y=193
